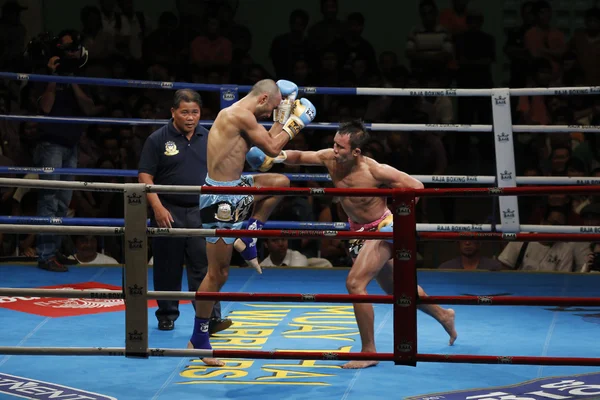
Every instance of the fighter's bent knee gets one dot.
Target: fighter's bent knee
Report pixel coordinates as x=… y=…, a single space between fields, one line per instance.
x=355 y=286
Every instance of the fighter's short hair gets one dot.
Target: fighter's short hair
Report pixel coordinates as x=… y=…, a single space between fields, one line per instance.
x=356 y=129
x=264 y=86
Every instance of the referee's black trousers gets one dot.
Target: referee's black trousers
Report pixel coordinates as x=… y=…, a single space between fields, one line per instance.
x=171 y=253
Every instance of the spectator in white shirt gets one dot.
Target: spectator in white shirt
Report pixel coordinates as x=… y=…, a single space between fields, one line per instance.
x=280 y=255
x=545 y=256
x=86 y=251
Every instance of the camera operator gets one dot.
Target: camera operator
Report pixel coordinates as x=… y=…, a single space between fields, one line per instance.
x=57 y=145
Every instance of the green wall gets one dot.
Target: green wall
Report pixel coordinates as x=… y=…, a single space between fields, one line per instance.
x=388 y=22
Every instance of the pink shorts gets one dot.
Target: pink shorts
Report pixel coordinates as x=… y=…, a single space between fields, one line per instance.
x=355 y=245
x=370 y=226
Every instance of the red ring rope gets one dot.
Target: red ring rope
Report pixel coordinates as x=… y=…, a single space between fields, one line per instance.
x=441 y=358
x=373 y=192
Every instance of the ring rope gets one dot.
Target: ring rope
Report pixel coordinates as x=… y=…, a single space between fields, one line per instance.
x=309 y=298
x=376 y=127
x=361 y=91
x=306 y=233
x=299 y=191
x=336 y=226
x=438 y=179
x=300 y=355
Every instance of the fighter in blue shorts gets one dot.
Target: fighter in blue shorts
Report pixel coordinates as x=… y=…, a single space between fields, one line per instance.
x=233 y=132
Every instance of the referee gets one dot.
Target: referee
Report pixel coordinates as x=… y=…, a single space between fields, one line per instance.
x=176 y=155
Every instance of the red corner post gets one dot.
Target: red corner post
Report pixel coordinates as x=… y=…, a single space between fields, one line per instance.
x=405 y=278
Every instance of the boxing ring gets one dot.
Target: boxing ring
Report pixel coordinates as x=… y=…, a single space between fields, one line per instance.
x=306 y=334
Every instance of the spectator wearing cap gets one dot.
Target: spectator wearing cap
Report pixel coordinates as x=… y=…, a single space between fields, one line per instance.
x=12 y=33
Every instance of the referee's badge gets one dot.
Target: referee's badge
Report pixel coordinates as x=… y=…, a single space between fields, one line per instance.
x=171 y=149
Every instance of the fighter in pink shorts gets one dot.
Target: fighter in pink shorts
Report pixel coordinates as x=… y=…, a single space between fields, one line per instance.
x=348 y=168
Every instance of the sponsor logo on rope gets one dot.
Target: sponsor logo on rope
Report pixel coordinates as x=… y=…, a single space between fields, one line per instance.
x=22 y=77
x=317 y=191
x=100 y=301
x=588 y=181
x=589 y=229
x=509 y=236
x=458 y=228
x=309 y=90
x=484 y=300
x=455 y=179
x=560 y=92
x=166 y=85
x=582 y=127
x=19 y=386
x=495 y=190
x=585 y=386
x=157 y=353
x=155 y=231
x=441 y=92
x=330 y=356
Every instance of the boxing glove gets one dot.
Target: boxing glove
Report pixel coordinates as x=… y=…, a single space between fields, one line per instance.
x=258 y=160
x=302 y=114
x=289 y=92
x=288 y=89
x=387 y=225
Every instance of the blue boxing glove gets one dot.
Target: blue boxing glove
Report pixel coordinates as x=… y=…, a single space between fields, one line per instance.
x=289 y=92
x=387 y=225
x=303 y=113
x=258 y=160
x=288 y=89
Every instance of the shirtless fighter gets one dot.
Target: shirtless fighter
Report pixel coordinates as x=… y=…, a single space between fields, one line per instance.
x=233 y=132
x=348 y=168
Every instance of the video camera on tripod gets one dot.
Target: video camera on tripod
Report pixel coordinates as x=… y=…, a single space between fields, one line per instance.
x=72 y=56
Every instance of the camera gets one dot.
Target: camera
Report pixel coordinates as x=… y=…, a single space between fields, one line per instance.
x=45 y=46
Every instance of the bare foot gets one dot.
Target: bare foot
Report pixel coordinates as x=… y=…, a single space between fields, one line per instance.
x=211 y=362
x=359 y=364
x=448 y=324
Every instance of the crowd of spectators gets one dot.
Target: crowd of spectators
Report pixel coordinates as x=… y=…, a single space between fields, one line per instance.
x=446 y=48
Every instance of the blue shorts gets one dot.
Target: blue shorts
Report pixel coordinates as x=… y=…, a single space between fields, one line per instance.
x=226 y=211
